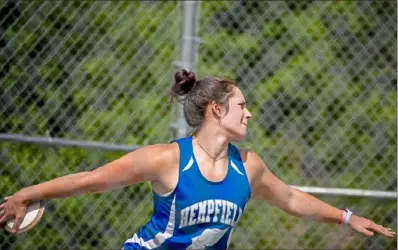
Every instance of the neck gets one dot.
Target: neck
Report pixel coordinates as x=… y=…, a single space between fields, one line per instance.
x=212 y=142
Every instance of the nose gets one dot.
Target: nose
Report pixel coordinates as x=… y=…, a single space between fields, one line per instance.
x=248 y=114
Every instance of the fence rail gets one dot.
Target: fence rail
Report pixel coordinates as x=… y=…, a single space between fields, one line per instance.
x=48 y=141
x=81 y=82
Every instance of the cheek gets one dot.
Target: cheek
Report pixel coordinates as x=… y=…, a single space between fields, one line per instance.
x=235 y=118
x=229 y=121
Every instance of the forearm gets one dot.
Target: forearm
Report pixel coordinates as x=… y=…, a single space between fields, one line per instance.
x=307 y=206
x=116 y=174
x=65 y=186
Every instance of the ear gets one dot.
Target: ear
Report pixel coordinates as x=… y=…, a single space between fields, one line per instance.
x=217 y=110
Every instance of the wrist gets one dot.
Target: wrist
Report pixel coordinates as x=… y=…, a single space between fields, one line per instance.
x=341 y=221
x=345 y=219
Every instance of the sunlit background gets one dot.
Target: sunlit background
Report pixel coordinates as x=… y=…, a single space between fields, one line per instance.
x=82 y=83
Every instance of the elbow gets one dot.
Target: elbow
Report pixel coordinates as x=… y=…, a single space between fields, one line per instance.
x=298 y=203
x=291 y=201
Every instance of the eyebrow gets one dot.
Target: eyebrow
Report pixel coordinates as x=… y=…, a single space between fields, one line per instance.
x=242 y=102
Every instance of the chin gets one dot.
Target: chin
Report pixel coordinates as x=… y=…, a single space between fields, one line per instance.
x=239 y=137
x=236 y=134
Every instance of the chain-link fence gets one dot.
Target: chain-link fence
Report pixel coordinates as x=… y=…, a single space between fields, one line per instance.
x=319 y=77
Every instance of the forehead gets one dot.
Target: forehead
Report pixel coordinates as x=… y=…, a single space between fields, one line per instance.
x=237 y=95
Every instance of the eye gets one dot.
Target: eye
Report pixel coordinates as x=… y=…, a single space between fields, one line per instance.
x=242 y=104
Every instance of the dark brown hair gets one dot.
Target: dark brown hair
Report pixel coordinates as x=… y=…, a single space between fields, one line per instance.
x=195 y=95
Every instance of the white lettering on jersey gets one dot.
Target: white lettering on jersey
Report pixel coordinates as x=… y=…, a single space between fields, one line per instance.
x=210 y=211
x=224 y=206
x=184 y=217
x=217 y=210
x=192 y=217
x=228 y=220
x=202 y=212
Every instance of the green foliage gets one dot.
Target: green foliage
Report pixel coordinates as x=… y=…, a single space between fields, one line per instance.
x=78 y=87
x=319 y=76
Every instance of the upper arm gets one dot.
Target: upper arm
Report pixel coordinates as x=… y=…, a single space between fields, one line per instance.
x=144 y=164
x=265 y=185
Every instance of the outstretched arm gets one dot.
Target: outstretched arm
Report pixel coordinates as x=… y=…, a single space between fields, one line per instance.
x=144 y=164
x=268 y=187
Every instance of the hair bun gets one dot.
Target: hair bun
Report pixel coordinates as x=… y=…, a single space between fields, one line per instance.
x=184 y=82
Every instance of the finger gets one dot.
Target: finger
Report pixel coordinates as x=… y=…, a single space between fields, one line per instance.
x=2 y=206
x=17 y=222
x=383 y=231
x=3 y=200
x=3 y=220
x=366 y=232
x=388 y=232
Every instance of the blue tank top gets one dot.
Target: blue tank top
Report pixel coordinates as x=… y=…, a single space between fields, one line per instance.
x=198 y=213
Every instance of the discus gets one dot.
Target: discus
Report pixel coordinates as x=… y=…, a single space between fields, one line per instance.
x=33 y=214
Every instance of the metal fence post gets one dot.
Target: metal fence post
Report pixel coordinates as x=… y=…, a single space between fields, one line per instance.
x=188 y=58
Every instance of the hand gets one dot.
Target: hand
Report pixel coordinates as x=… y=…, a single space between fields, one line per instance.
x=368 y=227
x=13 y=207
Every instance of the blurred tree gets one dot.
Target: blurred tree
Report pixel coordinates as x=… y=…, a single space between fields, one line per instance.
x=319 y=77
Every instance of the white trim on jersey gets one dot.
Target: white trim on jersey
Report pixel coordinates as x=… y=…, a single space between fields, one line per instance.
x=229 y=236
x=236 y=168
x=159 y=237
x=190 y=163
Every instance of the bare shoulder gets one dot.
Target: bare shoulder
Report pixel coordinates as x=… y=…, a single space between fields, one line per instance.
x=254 y=165
x=159 y=150
x=153 y=161
x=158 y=154
x=170 y=154
x=164 y=161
